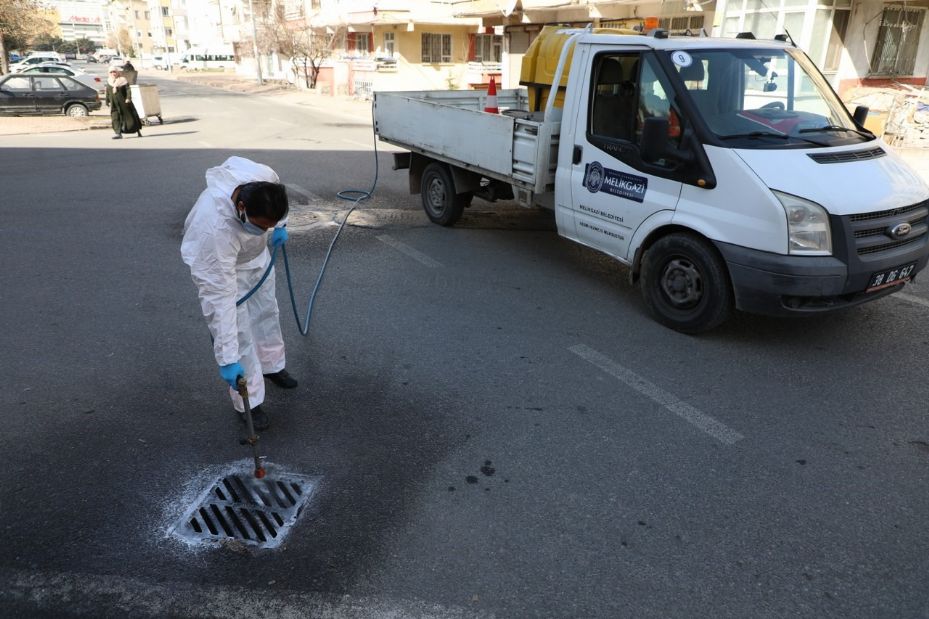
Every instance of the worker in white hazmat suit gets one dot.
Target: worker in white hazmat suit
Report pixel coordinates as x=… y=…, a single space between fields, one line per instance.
x=225 y=244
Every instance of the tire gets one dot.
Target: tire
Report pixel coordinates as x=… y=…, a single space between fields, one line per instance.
x=76 y=110
x=442 y=205
x=685 y=284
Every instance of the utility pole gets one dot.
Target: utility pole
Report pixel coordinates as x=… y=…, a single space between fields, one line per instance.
x=251 y=9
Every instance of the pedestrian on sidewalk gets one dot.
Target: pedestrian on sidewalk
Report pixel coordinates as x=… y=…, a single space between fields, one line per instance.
x=119 y=98
x=226 y=237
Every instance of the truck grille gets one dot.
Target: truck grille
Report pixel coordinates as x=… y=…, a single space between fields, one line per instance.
x=852 y=155
x=872 y=232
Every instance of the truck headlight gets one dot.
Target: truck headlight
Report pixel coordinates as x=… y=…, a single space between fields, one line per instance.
x=807 y=226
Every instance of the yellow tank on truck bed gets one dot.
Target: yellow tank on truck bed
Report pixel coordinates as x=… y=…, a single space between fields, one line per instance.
x=541 y=61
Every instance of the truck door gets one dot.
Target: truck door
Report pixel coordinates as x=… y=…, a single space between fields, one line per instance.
x=613 y=190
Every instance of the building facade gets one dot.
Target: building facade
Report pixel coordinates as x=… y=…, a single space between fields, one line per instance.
x=80 y=19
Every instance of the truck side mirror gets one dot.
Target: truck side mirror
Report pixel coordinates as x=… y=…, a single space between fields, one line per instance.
x=654 y=140
x=861 y=115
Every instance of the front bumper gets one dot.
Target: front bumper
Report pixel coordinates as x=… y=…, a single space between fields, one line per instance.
x=778 y=285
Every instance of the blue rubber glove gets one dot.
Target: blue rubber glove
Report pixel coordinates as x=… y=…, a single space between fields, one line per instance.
x=279 y=237
x=231 y=373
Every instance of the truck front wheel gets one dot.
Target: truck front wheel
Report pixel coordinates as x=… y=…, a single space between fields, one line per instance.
x=685 y=284
x=442 y=205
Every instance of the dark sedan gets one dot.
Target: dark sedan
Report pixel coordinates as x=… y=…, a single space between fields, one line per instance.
x=22 y=95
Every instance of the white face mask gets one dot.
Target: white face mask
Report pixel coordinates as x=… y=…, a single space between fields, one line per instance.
x=249 y=226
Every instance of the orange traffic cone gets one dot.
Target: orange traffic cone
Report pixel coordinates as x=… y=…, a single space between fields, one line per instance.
x=490 y=105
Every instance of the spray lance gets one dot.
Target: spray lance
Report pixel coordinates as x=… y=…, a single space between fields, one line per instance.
x=252 y=438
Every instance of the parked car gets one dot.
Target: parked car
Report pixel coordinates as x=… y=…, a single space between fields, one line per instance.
x=55 y=56
x=46 y=94
x=55 y=68
x=34 y=58
x=14 y=58
x=26 y=63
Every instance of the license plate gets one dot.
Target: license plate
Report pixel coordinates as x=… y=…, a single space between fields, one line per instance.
x=891 y=277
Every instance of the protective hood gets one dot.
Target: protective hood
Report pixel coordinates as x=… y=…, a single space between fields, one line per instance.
x=843 y=188
x=222 y=180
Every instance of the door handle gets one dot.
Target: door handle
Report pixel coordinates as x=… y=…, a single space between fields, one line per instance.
x=576 y=155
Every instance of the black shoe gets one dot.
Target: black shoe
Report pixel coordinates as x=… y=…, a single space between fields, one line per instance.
x=140 y=134
x=261 y=420
x=282 y=379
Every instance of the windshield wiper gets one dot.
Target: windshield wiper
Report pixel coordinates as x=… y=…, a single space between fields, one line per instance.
x=770 y=134
x=755 y=134
x=864 y=134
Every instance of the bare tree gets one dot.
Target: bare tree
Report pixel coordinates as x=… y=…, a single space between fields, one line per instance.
x=20 y=21
x=292 y=37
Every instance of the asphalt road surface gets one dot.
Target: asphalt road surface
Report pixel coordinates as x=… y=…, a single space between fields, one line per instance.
x=497 y=426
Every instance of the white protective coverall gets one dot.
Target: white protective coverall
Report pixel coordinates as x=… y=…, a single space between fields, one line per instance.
x=225 y=263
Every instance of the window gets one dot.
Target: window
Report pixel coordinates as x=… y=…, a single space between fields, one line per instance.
x=71 y=84
x=47 y=83
x=614 y=97
x=389 y=44
x=897 y=41
x=147 y=15
x=359 y=43
x=17 y=84
x=436 y=48
x=169 y=32
x=165 y=11
x=487 y=48
x=681 y=25
x=627 y=89
x=136 y=14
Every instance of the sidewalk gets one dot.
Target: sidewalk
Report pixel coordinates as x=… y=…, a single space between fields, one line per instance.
x=26 y=125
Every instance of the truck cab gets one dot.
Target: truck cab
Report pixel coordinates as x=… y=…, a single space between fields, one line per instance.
x=729 y=173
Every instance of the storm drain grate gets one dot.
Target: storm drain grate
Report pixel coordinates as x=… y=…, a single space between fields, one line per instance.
x=238 y=507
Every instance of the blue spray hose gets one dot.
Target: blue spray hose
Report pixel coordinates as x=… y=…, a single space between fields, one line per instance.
x=355 y=196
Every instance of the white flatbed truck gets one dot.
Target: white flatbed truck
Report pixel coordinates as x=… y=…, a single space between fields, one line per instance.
x=725 y=173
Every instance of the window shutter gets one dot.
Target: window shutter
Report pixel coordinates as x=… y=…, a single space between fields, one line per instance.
x=471 y=41
x=371 y=42
x=350 y=43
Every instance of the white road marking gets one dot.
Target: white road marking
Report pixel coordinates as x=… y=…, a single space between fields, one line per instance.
x=403 y=248
x=714 y=428
x=93 y=593
x=911 y=299
x=366 y=145
x=312 y=197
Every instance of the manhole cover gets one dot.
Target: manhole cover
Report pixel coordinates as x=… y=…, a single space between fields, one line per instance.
x=258 y=512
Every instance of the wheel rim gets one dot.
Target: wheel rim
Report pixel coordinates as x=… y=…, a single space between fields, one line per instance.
x=76 y=111
x=682 y=283
x=436 y=195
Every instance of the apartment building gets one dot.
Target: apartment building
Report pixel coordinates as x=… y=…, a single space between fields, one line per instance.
x=132 y=18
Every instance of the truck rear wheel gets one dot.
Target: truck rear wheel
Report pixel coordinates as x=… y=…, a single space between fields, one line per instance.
x=685 y=284
x=442 y=205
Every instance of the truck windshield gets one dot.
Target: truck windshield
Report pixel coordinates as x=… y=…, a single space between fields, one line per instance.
x=765 y=98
